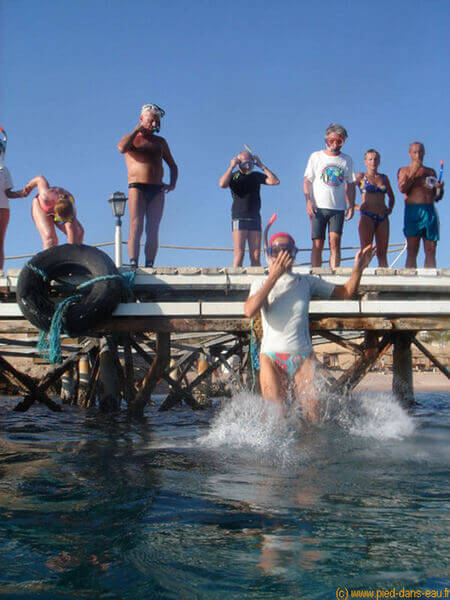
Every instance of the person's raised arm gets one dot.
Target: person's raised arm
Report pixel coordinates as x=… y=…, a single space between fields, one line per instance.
x=224 y=181
x=10 y=193
x=126 y=143
x=271 y=178
x=349 y=289
x=167 y=156
x=406 y=176
x=277 y=267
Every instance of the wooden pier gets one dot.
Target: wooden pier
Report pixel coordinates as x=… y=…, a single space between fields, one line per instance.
x=181 y=315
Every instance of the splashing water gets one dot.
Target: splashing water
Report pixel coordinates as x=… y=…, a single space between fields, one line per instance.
x=378 y=416
x=250 y=422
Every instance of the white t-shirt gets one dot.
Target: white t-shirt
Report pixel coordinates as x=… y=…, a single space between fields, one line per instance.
x=5 y=184
x=285 y=315
x=328 y=175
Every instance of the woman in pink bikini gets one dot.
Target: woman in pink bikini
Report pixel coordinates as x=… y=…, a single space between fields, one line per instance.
x=54 y=206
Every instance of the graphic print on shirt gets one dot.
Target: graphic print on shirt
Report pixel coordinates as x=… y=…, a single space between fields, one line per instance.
x=332 y=175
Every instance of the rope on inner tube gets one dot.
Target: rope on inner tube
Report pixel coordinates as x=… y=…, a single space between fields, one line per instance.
x=49 y=344
x=40 y=272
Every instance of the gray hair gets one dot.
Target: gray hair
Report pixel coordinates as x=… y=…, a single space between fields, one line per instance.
x=335 y=128
x=154 y=108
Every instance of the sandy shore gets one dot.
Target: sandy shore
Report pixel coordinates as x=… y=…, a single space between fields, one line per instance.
x=424 y=381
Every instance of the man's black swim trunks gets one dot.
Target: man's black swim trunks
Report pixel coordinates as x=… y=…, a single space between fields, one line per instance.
x=150 y=190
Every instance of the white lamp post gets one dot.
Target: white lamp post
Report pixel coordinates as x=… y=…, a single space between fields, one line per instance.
x=118 y=202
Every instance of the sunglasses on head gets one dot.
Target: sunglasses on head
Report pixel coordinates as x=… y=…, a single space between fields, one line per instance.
x=276 y=249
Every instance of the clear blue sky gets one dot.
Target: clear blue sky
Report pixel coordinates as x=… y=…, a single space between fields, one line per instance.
x=269 y=74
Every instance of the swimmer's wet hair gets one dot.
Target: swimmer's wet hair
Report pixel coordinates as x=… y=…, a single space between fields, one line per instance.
x=336 y=128
x=154 y=108
x=372 y=151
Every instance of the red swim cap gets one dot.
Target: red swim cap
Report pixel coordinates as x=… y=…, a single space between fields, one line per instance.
x=281 y=234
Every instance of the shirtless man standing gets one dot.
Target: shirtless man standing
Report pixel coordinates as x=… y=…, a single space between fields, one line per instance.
x=144 y=154
x=421 y=191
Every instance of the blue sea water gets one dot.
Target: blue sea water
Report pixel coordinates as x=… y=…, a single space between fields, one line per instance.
x=230 y=502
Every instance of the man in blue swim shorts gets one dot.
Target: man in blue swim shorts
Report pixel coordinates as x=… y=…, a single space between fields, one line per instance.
x=283 y=298
x=421 y=189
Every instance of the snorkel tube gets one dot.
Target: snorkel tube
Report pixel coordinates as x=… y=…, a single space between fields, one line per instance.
x=249 y=151
x=3 y=142
x=266 y=235
x=441 y=172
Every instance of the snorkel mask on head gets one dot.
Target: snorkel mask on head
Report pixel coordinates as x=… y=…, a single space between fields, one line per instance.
x=276 y=248
x=3 y=142
x=156 y=110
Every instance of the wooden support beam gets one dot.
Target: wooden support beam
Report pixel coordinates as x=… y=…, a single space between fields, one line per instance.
x=181 y=393
x=157 y=368
x=20 y=380
x=328 y=335
x=129 y=370
x=402 y=381
x=213 y=366
x=383 y=324
x=118 y=370
x=186 y=360
x=88 y=401
x=109 y=381
x=374 y=349
x=235 y=325
x=56 y=371
x=430 y=356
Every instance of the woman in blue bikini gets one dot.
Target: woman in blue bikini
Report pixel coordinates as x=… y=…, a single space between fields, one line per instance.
x=374 y=221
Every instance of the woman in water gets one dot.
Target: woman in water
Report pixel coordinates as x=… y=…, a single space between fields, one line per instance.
x=374 y=221
x=54 y=206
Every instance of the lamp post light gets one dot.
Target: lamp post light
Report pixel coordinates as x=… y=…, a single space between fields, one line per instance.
x=118 y=202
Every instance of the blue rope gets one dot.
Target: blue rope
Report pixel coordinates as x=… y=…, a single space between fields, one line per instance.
x=40 y=272
x=254 y=354
x=49 y=344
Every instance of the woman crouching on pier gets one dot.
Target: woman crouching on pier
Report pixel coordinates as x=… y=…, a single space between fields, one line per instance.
x=54 y=206
x=374 y=221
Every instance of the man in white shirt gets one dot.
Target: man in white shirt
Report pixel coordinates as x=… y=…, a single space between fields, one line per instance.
x=283 y=298
x=329 y=188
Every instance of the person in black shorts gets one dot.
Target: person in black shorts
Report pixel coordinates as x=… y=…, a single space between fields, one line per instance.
x=245 y=213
